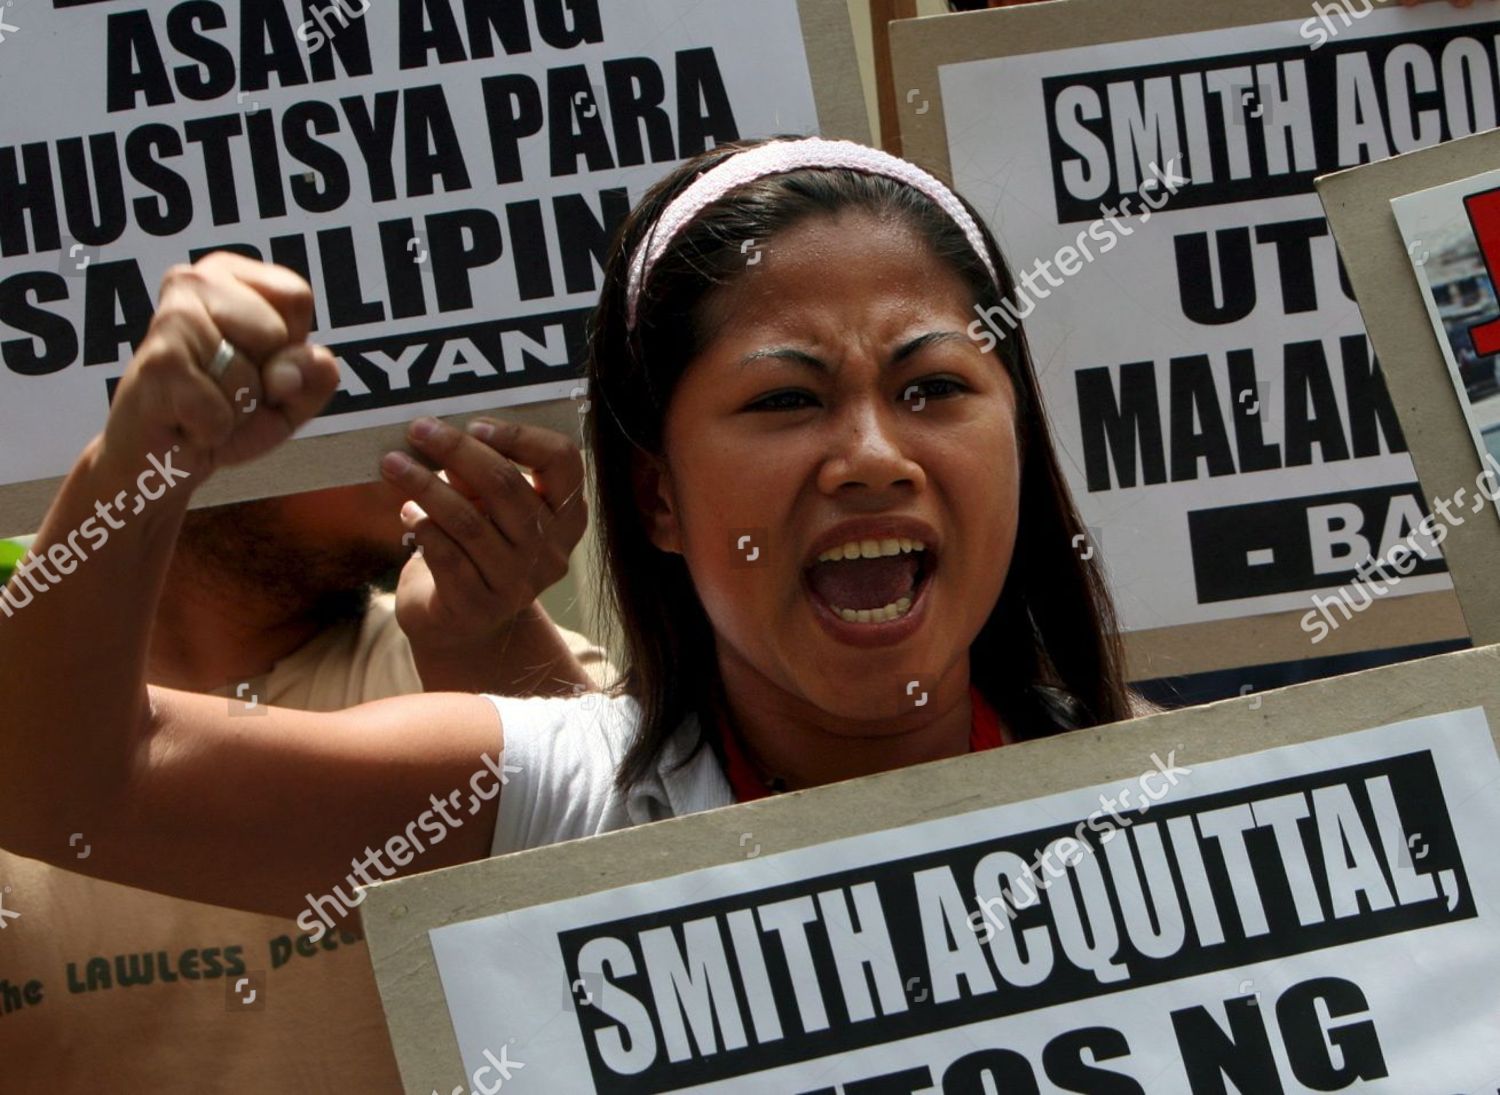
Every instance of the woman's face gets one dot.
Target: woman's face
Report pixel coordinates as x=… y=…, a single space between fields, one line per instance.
x=839 y=408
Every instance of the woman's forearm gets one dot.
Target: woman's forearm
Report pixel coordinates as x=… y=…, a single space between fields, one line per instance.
x=529 y=657
x=75 y=624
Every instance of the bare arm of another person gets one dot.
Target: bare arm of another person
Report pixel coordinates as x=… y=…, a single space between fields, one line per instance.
x=173 y=793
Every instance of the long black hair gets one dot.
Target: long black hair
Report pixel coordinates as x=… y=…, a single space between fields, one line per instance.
x=1052 y=632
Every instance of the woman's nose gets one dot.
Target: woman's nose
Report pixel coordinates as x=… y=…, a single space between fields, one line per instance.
x=869 y=448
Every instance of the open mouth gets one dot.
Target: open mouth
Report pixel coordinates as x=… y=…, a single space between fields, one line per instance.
x=871 y=581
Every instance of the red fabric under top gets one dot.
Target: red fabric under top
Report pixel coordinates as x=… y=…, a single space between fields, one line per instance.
x=984 y=733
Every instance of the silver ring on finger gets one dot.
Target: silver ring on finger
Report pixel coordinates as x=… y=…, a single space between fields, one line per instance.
x=223 y=357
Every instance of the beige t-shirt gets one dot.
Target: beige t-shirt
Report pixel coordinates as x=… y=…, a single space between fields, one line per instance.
x=107 y=987
x=357 y=663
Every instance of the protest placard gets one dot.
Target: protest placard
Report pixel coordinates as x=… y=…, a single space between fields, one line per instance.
x=1148 y=166
x=1396 y=275
x=1291 y=891
x=446 y=173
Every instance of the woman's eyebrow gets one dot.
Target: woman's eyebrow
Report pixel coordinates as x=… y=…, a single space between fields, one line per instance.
x=921 y=342
x=787 y=353
x=802 y=357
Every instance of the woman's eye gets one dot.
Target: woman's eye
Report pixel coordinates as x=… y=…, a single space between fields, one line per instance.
x=783 y=401
x=935 y=387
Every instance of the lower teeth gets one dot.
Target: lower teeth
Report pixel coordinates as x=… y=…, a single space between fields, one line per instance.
x=892 y=611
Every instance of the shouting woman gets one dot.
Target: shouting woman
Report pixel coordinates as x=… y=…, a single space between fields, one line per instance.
x=835 y=535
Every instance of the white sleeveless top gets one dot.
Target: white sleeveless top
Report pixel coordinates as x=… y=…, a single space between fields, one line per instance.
x=568 y=750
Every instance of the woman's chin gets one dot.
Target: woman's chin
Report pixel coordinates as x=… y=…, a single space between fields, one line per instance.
x=894 y=683
x=883 y=709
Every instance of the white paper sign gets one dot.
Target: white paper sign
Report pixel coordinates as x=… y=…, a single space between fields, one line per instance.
x=1225 y=431
x=447 y=175
x=1316 y=917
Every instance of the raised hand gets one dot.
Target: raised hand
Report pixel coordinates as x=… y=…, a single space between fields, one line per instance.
x=247 y=320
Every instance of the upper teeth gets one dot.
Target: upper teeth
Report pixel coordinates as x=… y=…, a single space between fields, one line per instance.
x=871 y=549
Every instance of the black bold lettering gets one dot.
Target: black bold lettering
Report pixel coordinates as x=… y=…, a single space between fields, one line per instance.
x=512 y=109
x=990 y=1070
x=432 y=148
x=59 y=342
x=133 y=63
x=1255 y=453
x=490 y=19
x=1194 y=397
x=376 y=136
x=346 y=304
x=117 y=309
x=567 y=23
x=1244 y=1054
x=1310 y=1048
x=268 y=45
x=213 y=134
x=32 y=195
x=584 y=238
x=297 y=126
x=528 y=243
x=1112 y=430
x=636 y=90
x=1292 y=239
x=703 y=109
x=452 y=261
x=213 y=75
x=1195 y=276
x=265 y=164
x=427 y=25
x=173 y=211
x=1063 y=1062
x=351 y=45
x=576 y=123
x=403 y=273
x=1307 y=380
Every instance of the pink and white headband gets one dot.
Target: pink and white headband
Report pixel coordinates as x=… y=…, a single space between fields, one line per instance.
x=779 y=158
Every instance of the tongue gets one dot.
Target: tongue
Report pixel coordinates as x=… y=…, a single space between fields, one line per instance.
x=865 y=583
